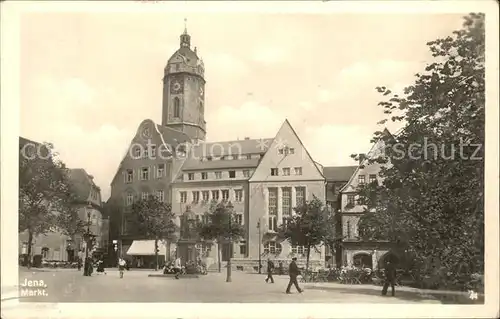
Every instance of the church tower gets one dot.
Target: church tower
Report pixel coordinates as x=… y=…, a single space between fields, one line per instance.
x=184 y=91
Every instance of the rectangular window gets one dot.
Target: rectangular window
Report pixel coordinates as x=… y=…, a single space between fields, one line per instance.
x=145 y=173
x=238 y=195
x=130 y=199
x=215 y=195
x=204 y=175
x=205 y=219
x=273 y=201
x=298 y=170
x=348 y=226
x=232 y=174
x=246 y=173
x=280 y=151
x=292 y=151
x=372 y=178
x=129 y=176
x=144 y=195
x=146 y=153
x=249 y=156
x=273 y=223
x=225 y=195
x=160 y=171
x=298 y=249
x=153 y=151
x=183 y=197
x=300 y=195
x=190 y=176
x=286 y=171
x=206 y=196
x=239 y=219
x=351 y=200
x=274 y=172
x=287 y=201
x=243 y=248
x=160 y=195
x=361 y=179
x=218 y=175
x=196 y=196
x=137 y=153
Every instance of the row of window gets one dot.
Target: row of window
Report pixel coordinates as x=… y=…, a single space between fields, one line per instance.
x=272 y=247
x=214 y=195
x=216 y=175
x=286 y=171
x=160 y=195
x=286 y=204
x=145 y=173
x=372 y=178
x=232 y=157
x=286 y=151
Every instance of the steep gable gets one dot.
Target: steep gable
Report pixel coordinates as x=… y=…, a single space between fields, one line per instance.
x=294 y=155
x=166 y=140
x=364 y=168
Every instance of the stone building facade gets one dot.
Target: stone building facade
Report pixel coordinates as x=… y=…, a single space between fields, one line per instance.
x=355 y=251
x=263 y=178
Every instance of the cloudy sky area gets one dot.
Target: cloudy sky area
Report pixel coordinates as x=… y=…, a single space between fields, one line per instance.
x=89 y=79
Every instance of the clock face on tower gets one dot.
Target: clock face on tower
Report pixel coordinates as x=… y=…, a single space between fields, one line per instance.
x=176 y=86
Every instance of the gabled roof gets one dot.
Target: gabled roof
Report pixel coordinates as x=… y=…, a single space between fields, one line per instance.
x=81 y=183
x=254 y=177
x=370 y=154
x=338 y=173
x=302 y=144
x=217 y=149
x=170 y=138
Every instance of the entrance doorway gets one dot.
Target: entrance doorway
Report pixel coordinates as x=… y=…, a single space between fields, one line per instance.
x=363 y=260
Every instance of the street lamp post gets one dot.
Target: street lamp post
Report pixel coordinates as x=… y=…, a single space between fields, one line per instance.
x=230 y=209
x=258 y=227
x=87 y=242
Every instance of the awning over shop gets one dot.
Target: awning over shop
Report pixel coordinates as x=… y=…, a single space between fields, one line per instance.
x=145 y=248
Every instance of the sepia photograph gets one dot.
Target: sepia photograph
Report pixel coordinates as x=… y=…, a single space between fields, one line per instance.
x=204 y=153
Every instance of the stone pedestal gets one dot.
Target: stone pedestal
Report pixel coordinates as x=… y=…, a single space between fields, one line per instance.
x=186 y=250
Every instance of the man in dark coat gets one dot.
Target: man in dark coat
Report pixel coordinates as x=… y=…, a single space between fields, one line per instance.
x=270 y=269
x=293 y=272
x=390 y=278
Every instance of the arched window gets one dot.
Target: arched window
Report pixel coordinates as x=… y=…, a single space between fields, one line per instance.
x=177 y=107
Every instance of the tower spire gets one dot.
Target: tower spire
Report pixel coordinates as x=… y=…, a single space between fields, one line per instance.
x=185 y=38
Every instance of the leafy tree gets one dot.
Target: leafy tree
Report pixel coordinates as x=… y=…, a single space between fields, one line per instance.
x=431 y=200
x=68 y=221
x=309 y=227
x=43 y=192
x=221 y=226
x=154 y=220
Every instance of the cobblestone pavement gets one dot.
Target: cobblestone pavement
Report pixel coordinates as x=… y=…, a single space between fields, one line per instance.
x=69 y=285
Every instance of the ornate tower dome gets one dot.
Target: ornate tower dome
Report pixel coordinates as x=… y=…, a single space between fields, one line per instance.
x=184 y=91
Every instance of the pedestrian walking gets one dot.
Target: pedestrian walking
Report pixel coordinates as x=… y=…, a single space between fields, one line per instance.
x=390 y=278
x=121 y=266
x=100 y=266
x=293 y=272
x=270 y=269
x=280 y=268
x=177 y=267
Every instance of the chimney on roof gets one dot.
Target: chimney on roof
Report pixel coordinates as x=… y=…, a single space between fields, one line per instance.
x=361 y=158
x=247 y=138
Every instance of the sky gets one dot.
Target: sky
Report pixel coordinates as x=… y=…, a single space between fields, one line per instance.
x=88 y=79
